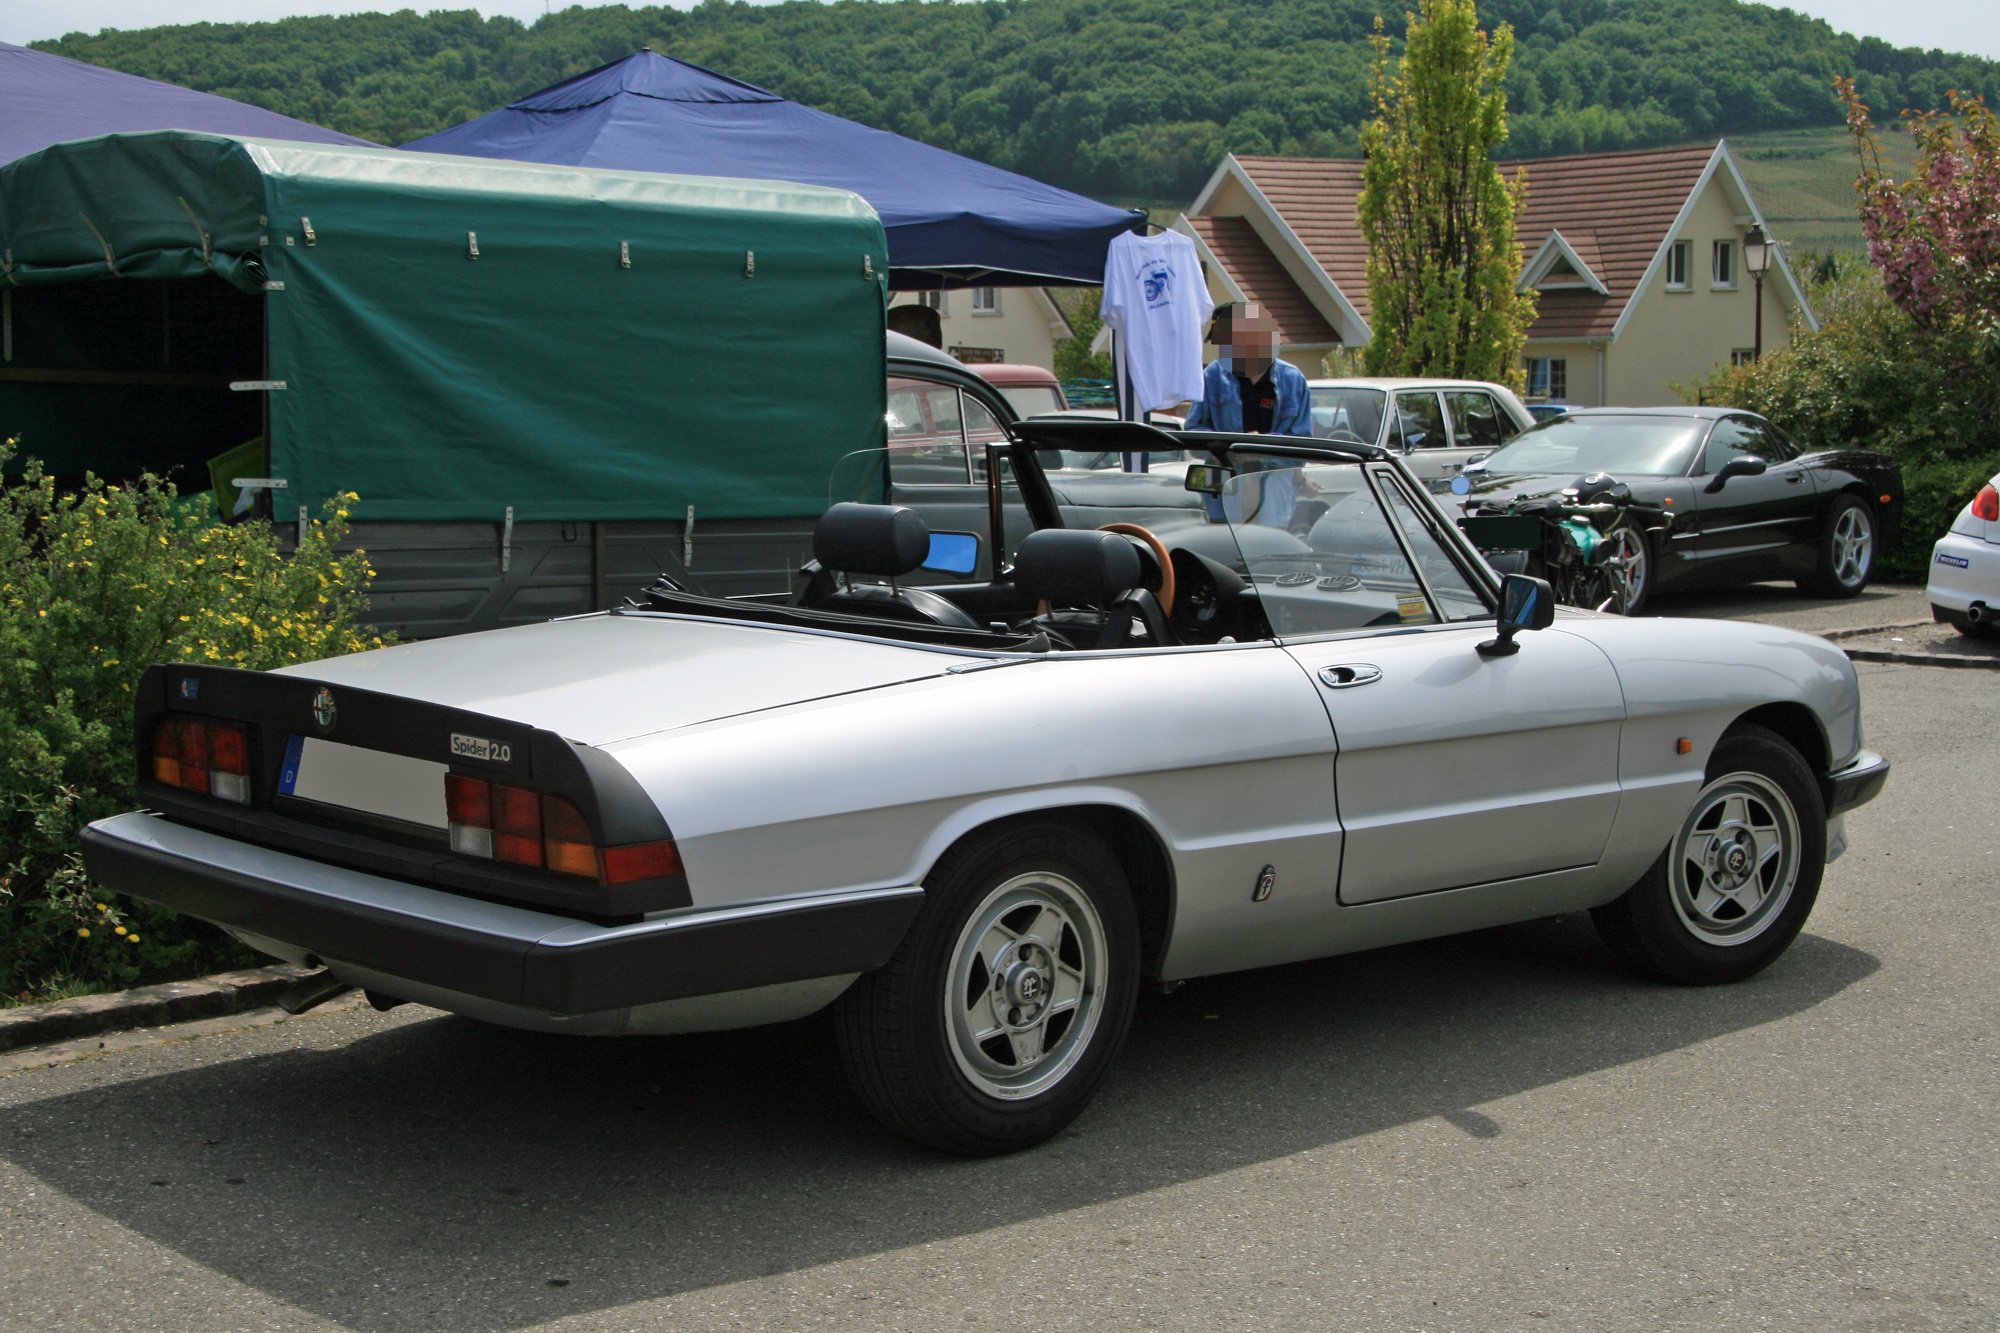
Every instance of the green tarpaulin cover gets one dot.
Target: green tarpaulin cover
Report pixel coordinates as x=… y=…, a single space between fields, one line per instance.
x=459 y=335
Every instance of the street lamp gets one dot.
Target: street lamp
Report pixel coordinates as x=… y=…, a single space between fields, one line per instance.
x=1757 y=252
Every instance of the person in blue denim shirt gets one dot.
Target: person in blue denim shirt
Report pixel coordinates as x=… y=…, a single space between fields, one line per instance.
x=1248 y=388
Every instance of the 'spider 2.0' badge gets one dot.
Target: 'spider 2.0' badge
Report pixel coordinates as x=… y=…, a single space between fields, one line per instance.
x=324 y=713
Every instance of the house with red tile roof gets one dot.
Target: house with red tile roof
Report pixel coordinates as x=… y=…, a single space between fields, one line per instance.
x=1636 y=259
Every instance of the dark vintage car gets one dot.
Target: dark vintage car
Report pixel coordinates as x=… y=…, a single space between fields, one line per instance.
x=1720 y=496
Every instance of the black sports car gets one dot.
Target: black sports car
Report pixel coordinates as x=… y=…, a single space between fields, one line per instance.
x=1718 y=496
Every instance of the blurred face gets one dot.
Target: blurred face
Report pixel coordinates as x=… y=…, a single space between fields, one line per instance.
x=1249 y=340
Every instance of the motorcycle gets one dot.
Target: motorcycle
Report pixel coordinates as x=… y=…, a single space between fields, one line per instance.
x=1593 y=543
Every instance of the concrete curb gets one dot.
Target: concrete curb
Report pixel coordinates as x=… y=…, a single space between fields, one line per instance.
x=147 y=1006
x=1862 y=631
x=1922 y=659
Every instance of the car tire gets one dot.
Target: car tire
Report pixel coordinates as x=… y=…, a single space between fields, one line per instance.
x=996 y=1020
x=1846 y=549
x=1733 y=889
x=1634 y=552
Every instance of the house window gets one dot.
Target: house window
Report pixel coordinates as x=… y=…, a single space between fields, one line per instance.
x=1723 y=264
x=1548 y=377
x=1678 y=257
x=935 y=300
x=1742 y=356
x=985 y=300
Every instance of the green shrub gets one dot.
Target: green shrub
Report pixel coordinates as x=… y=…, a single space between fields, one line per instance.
x=94 y=587
x=1872 y=376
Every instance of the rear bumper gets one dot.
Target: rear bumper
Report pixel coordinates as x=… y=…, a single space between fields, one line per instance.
x=1857 y=783
x=1964 y=570
x=510 y=955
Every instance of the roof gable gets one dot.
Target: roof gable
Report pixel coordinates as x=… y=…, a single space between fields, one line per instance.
x=1613 y=211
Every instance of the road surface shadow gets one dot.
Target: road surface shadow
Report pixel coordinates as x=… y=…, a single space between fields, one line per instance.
x=442 y=1173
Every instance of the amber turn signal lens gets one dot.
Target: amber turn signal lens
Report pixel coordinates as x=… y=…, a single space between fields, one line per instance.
x=1683 y=746
x=566 y=841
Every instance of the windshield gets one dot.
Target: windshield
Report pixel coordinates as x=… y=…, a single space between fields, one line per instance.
x=1351 y=415
x=1623 y=446
x=1032 y=400
x=1329 y=547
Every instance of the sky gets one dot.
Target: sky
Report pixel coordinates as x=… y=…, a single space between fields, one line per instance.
x=1971 y=26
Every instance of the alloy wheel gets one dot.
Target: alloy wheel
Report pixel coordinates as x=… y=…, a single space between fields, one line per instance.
x=1853 y=546
x=1737 y=859
x=1025 y=985
x=1624 y=564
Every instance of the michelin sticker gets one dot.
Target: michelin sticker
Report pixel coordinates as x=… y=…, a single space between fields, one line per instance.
x=1958 y=560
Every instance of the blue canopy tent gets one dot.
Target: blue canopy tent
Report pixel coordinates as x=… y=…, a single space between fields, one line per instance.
x=952 y=222
x=47 y=99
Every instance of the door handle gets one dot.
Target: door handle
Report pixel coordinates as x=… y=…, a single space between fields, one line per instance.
x=1793 y=479
x=1350 y=674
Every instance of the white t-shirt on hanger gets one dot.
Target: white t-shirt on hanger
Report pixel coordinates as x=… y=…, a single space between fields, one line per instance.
x=1156 y=299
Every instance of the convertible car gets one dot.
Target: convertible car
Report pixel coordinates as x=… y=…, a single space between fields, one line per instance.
x=976 y=817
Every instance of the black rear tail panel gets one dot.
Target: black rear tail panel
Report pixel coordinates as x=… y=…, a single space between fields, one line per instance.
x=277 y=707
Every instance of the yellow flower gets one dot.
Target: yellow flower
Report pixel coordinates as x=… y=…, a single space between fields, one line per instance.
x=118 y=930
x=83 y=931
x=131 y=939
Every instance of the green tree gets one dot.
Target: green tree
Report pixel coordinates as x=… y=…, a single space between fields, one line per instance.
x=1438 y=216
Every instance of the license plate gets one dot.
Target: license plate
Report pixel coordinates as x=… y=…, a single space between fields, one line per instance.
x=374 y=782
x=1503 y=532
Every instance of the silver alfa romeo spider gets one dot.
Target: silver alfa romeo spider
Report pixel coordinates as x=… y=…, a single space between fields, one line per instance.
x=975 y=793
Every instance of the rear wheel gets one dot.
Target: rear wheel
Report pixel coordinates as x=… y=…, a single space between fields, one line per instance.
x=999 y=1015
x=1732 y=890
x=1846 y=550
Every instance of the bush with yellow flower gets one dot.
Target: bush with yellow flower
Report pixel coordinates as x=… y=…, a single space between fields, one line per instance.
x=96 y=584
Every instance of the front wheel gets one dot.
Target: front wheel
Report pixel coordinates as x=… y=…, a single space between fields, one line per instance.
x=1846 y=553
x=1000 y=1013
x=1733 y=889
x=1628 y=568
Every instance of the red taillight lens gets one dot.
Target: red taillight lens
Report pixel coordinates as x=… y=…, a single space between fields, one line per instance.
x=1986 y=504
x=646 y=860
x=517 y=825
x=228 y=751
x=201 y=756
x=468 y=804
x=566 y=840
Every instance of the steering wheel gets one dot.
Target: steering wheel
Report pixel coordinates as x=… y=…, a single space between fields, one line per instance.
x=1159 y=549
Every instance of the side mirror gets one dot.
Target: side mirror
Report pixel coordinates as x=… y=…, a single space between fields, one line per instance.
x=1525 y=603
x=1749 y=465
x=953 y=553
x=1206 y=478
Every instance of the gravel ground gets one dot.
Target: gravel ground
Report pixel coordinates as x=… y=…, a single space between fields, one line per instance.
x=1942 y=640
x=1784 y=604
x=1493 y=1132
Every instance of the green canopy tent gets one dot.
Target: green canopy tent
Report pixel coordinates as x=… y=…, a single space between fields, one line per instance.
x=448 y=337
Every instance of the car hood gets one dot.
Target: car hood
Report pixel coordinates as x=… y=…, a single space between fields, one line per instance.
x=598 y=679
x=1500 y=487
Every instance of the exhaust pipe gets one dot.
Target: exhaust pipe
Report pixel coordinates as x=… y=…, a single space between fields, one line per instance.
x=311 y=991
x=1979 y=613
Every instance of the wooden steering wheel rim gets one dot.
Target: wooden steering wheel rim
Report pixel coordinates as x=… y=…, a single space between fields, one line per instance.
x=1166 y=595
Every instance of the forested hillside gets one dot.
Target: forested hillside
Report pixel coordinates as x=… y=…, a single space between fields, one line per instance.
x=1135 y=99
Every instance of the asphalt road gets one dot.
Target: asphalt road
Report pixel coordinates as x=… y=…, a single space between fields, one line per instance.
x=1494 y=1132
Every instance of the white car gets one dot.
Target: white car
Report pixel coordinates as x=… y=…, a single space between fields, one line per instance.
x=1965 y=567
x=1437 y=426
x=976 y=816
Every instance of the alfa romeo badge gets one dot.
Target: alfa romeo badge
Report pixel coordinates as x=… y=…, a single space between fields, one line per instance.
x=324 y=712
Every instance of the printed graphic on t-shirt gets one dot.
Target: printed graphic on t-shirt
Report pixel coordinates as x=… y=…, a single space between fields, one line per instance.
x=1158 y=282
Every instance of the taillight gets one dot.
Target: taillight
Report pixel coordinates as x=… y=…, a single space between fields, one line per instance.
x=501 y=822
x=203 y=756
x=1986 y=504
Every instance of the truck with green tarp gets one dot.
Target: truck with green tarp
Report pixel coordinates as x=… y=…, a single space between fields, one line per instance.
x=546 y=384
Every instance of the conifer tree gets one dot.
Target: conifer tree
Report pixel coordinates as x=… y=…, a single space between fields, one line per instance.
x=1437 y=215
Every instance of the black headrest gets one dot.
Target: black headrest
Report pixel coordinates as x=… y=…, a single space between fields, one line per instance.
x=1072 y=567
x=885 y=540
